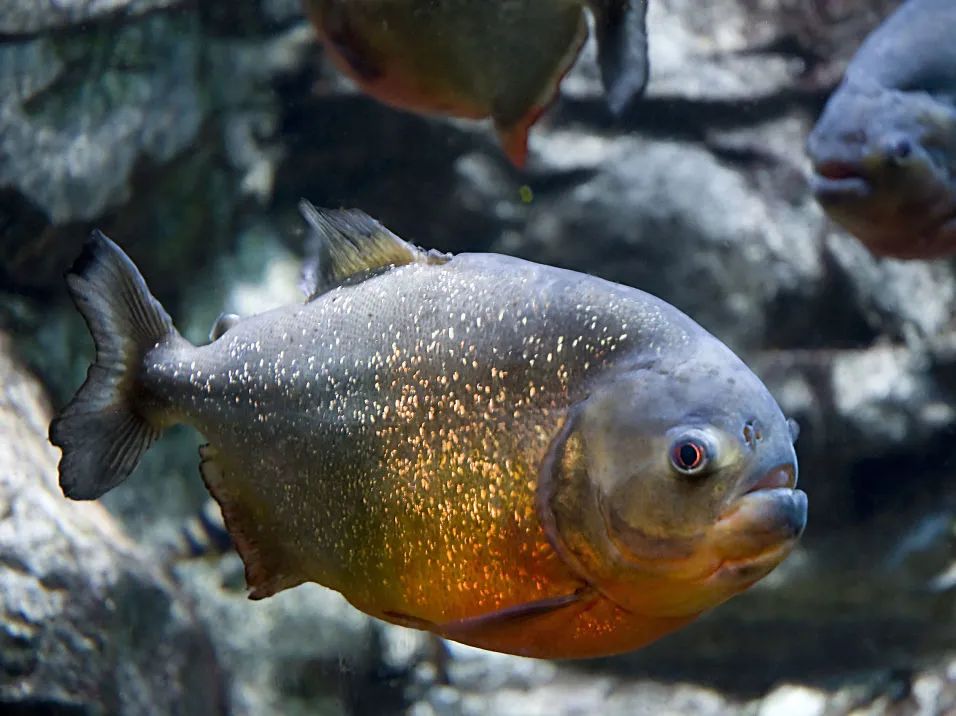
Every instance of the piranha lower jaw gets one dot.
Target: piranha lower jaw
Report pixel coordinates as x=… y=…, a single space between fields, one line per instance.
x=756 y=534
x=899 y=235
x=912 y=219
x=834 y=182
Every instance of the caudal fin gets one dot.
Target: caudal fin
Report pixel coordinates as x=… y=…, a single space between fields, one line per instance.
x=102 y=432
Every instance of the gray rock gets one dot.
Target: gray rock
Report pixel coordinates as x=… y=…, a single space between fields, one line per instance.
x=124 y=114
x=26 y=17
x=303 y=651
x=676 y=221
x=79 y=110
x=88 y=623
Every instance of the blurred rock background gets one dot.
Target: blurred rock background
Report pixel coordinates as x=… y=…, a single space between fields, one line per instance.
x=188 y=131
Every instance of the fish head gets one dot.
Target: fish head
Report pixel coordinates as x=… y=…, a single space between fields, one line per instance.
x=673 y=484
x=884 y=167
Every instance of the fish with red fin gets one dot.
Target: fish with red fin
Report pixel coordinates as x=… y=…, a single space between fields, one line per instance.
x=510 y=455
x=477 y=59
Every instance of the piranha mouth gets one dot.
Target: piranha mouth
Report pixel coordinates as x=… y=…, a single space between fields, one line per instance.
x=783 y=476
x=835 y=181
x=760 y=526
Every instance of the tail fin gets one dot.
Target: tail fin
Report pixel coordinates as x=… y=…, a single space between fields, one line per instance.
x=101 y=432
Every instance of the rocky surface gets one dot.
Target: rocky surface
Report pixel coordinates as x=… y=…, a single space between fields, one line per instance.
x=27 y=17
x=305 y=651
x=189 y=131
x=88 y=623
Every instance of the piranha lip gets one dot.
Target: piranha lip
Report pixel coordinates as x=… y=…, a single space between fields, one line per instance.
x=833 y=180
x=836 y=170
x=761 y=526
x=783 y=476
x=777 y=477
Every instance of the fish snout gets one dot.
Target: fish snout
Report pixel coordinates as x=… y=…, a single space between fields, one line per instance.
x=836 y=180
x=767 y=513
x=758 y=534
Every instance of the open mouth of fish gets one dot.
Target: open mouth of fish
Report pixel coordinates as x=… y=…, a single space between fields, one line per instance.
x=836 y=180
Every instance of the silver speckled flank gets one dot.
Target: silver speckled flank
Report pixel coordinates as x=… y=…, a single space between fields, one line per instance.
x=428 y=389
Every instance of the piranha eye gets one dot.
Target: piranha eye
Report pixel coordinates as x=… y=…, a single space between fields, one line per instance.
x=690 y=455
x=898 y=148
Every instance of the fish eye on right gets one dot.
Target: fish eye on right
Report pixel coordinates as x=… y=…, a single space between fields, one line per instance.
x=446 y=357
x=897 y=148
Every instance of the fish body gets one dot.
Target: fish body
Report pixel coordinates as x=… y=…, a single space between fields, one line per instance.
x=487 y=448
x=884 y=150
x=463 y=58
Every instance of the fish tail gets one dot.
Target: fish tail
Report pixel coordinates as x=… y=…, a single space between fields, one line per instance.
x=104 y=431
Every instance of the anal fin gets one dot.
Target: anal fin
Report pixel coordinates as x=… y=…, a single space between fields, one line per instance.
x=514 y=137
x=267 y=571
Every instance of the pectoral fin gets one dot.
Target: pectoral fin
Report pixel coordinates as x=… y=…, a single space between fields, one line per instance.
x=226 y=322
x=514 y=616
x=522 y=629
x=622 y=49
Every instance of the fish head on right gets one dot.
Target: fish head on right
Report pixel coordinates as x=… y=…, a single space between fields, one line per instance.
x=884 y=168
x=672 y=486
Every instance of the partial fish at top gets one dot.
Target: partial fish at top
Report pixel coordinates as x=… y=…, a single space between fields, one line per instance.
x=510 y=455
x=501 y=59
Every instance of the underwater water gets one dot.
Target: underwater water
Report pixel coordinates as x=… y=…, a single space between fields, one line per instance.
x=189 y=133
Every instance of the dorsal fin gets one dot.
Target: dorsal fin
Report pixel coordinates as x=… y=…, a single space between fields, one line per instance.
x=352 y=246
